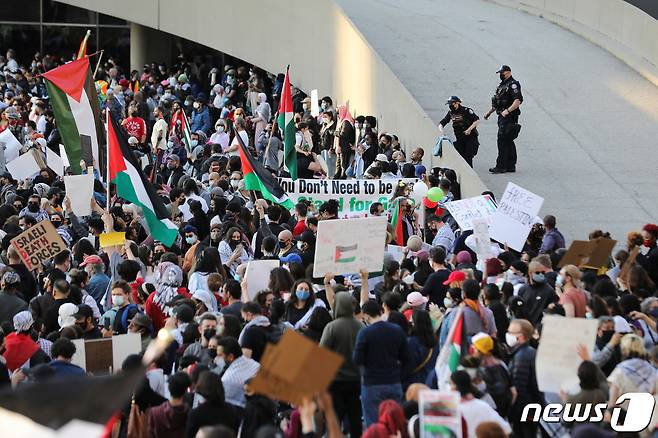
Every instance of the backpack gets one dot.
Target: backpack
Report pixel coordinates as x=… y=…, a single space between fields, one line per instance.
x=499 y=384
x=124 y=315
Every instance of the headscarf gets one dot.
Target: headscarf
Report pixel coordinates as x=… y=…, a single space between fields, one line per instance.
x=168 y=278
x=344 y=114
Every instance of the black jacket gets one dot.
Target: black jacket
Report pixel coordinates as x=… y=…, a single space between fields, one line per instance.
x=536 y=297
x=524 y=376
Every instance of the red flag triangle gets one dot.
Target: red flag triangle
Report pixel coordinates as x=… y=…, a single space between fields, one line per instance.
x=70 y=77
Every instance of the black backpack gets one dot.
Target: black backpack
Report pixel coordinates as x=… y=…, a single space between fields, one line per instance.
x=499 y=384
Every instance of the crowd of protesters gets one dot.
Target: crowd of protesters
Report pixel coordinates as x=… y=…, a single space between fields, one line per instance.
x=389 y=326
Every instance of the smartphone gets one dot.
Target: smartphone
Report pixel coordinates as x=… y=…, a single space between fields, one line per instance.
x=106 y=323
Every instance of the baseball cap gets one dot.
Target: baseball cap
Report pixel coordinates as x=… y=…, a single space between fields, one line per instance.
x=91 y=259
x=23 y=321
x=11 y=277
x=482 y=342
x=415 y=299
x=190 y=229
x=141 y=320
x=381 y=157
x=124 y=82
x=66 y=312
x=455 y=276
x=84 y=311
x=291 y=258
x=453 y=99
x=307 y=237
x=504 y=68
x=464 y=257
x=420 y=170
x=173 y=157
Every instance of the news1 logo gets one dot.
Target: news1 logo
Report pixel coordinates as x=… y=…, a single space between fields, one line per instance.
x=638 y=413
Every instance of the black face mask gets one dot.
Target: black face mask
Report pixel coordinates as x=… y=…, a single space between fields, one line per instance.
x=33 y=207
x=209 y=333
x=212 y=353
x=233 y=243
x=501 y=75
x=605 y=337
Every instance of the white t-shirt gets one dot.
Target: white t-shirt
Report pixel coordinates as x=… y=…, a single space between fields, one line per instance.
x=477 y=411
x=245 y=140
x=185 y=208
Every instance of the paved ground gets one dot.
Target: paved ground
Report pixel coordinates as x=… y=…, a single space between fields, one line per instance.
x=589 y=140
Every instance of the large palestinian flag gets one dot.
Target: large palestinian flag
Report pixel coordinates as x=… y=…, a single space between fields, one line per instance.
x=72 y=94
x=452 y=351
x=256 y=177
x=286 y=122
x=132 y=185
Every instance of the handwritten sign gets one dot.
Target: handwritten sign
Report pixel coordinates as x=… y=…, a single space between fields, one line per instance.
x=557 y=359
x=515 y=216
x=466 y=210
x=439 y=413
x=354 y=196
x=345 y=246
x=38 y=244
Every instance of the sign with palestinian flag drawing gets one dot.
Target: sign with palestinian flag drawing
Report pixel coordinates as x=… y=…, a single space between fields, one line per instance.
x=73 y=96
x=345 y=246
x=132 y=185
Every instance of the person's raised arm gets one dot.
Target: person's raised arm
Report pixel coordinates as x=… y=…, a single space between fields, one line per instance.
x=329 y=289
x=364 y=296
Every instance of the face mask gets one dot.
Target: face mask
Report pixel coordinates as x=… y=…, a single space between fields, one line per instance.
x=646 y=242
x=236 y=277
x=302 y=294
x=559 y=281
x=447 y=303
x=501 y=75
x=214 y=235
x=282 y=244
x=324 y=105
x=538 y=277
x=194 y=143
x=511 y=339
x=589 y=315
x=188 y=103
x=171 y=166
x=235 y=183
x=606 y=336
x=212 y=353
x=32 y=207
x=191 y=240
x=196 y=105
x=305 y=106
x=117 y=300
x=170 y=144
x=219 y=129
x=208 y=333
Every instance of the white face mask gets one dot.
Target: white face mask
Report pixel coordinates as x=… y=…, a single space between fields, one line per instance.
x=447 y=303
x=220 y=129
x=117 y=300
x=196 y=105
x=511 y=339
x=235 y=183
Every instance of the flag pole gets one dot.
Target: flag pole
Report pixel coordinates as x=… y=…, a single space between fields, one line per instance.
x=107 y=160
x=100 y=57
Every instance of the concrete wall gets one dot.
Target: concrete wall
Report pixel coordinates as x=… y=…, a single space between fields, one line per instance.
x=616 y=25
x=322 y=46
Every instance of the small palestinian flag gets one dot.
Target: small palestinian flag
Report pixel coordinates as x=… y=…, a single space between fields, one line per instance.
x=452 y=351
x=185 y=133
x=82 y=51
x=396 y=221
x=256 y=177
x=343 y=254
x=72 y=94
x=133 y=186
x=286 y=123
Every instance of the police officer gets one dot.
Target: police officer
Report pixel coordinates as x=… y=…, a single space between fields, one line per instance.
x=506 y=103
x=464 y=124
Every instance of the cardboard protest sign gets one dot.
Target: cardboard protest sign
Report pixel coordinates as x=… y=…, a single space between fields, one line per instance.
x=593 y=254
x=345 y=246
x=25 y=166
x=439 y=414
x=354 y=196
x=465 y=210
x=80 y=190
x=111 y=239
x=257 y=275
x=103 y=356
x=557 y=359
x=515 y=216
x=284 y=369
x=12 y=145
x=38 y=244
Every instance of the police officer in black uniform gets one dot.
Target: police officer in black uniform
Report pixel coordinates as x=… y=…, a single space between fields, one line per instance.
x=464 y=124
x=506 y=103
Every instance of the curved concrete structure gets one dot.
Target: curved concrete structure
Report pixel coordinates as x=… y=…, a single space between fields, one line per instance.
x=588 y=143
x=323 y=47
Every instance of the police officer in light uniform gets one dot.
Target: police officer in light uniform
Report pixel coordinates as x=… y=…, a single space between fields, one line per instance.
x=506 y=103
x=464 y=124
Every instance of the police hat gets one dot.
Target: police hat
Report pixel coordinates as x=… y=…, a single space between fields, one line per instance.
x=504 y=68
x=453 y=99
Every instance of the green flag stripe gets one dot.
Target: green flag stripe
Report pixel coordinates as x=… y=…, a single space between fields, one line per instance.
x=252 y=182
x=66 y=126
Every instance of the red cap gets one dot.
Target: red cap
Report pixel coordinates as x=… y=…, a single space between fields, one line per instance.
x=455 y=276
x=124 y=82
x=91 y=259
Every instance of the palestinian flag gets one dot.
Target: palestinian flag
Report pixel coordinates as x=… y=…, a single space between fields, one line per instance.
x=286 y=123
x=256 y=177
x=181 y=118
x=72 y=94
x=396 y=221
x=133 y=186
x=342 y=257
x=452 y=351
x=82 y=51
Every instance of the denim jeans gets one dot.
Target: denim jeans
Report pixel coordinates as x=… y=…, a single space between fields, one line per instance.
x=372 y=395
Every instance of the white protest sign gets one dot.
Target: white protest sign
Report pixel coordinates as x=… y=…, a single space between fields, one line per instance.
x=345 y=246
x=55 y=162
x=354 y=196
x=101 y=356
x=439 y=413
x=257 y=275
x=12 y=145
x=557 y=356
x=482 y=239
x=25 y=166
x=515 y=216
x=65 y=158
x=80 y=190
x=396 y=251
x=465 y=210
x=315 y=106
